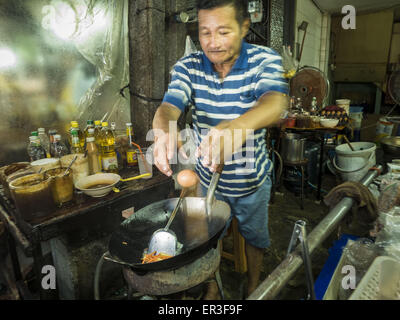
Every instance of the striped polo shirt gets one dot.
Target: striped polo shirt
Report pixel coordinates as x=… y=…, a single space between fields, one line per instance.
x=257 y=70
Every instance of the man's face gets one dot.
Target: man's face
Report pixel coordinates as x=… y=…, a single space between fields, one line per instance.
x=220 y=34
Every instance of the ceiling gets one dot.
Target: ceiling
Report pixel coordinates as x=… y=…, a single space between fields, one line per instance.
x=335 y=6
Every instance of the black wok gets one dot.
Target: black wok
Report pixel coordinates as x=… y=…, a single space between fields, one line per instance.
x=195 y=231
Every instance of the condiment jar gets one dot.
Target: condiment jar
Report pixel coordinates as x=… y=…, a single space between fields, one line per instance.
x=62 y=187
x=32 y=197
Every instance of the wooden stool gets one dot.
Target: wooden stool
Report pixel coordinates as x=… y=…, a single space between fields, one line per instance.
x=239 y=251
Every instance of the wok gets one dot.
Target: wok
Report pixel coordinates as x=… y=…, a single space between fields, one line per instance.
x=196 y=233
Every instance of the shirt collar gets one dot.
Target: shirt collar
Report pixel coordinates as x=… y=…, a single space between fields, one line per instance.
x=240 y=63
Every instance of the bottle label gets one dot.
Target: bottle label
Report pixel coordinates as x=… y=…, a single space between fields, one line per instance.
x=109 y=162
x=131 y=157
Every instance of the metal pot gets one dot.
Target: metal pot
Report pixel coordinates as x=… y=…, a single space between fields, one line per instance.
x=293 y=147
x=391 y=145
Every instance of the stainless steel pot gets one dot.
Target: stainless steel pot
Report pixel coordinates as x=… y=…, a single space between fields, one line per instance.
x=293 y=147
x=391 y=145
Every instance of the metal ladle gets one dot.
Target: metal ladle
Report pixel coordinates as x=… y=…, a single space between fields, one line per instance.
x=164 y=240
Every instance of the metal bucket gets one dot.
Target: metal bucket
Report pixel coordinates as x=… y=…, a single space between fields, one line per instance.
x=293 y=147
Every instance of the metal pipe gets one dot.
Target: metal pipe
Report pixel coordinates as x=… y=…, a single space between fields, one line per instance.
x=276 y=281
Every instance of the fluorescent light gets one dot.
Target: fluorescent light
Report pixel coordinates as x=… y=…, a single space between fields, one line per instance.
x=7 y=58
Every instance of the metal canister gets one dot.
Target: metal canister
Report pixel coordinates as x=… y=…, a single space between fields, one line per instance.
x=293 y=147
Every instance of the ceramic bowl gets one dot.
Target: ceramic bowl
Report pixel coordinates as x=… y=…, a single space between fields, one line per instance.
x=329 y=123
x=98 y=185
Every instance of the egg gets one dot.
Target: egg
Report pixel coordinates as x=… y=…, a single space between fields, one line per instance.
x=187 y=178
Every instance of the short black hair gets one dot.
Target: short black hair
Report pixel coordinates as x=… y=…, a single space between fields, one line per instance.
x=241 y=7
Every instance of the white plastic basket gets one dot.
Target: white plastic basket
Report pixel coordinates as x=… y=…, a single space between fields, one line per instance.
x=381 y=282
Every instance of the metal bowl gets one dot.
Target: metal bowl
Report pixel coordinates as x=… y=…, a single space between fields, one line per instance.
x=391 y=145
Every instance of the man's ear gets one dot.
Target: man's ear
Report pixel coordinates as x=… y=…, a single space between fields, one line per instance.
x=245 y=27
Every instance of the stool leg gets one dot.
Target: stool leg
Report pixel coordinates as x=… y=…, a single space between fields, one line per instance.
x=219 y=283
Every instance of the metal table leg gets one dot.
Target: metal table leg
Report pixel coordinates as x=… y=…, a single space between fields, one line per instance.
x=321 y=162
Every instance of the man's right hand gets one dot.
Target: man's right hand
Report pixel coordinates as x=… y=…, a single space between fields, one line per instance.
x=164 y=149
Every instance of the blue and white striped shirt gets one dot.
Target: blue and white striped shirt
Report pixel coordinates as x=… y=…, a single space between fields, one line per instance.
x=257 y=71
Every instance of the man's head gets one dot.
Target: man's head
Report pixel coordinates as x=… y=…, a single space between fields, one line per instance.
x=222 y=26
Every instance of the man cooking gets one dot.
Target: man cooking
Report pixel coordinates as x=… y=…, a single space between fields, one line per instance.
x=235 y=87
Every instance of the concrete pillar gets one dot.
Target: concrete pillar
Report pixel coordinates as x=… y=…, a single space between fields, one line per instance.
x=147 y=62
x=157 y=41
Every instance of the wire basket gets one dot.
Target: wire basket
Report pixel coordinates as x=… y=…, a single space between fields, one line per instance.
x=381 y=282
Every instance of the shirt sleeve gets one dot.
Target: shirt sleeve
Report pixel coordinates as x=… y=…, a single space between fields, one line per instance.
x=180 y=89
x=270 y=76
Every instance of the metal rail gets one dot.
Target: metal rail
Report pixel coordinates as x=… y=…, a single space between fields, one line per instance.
x=277 y=280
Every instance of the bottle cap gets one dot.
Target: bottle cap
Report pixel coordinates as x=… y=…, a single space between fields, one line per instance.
x=97 y=122
x=90 y=139
x=104 y=124
x=91 y=130
x=129 y=124
x=57 y=137
x=74 y=124
x=34 y=133
x=74 y=132
x=41 y=130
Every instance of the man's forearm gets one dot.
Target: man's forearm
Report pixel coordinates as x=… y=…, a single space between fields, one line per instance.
x=266 y=112
x=164 y=114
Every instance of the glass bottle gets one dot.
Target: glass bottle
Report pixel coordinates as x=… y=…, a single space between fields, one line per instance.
x=93 y=155
x=131 y=155
x=314 y=107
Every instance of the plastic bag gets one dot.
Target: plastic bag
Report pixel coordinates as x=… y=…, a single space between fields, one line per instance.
x=106 y=45
x=360 y=254
x=389 y=197
x=289 y=63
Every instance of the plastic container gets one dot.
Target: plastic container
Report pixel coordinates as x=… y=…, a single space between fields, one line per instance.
x=356 y=118
x=381 y=282
x=344 y=103
x=384 y=128
x=44 y=164
x=80 y=168
x=145 y=161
